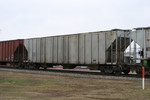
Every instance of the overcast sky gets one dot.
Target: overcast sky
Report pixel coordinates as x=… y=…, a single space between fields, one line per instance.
x=36 y=18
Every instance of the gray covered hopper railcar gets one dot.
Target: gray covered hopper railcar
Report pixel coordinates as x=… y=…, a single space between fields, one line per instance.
x=93 y=49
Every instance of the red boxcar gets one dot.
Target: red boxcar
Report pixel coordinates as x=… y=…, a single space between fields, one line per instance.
x=11 y=51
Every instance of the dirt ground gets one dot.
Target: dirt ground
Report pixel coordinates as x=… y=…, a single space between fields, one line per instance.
x=24 y=86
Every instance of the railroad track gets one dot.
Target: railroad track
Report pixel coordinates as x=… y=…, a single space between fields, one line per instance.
x=74 y=73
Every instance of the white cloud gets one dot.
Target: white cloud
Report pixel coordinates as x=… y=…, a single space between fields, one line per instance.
x=32 y=18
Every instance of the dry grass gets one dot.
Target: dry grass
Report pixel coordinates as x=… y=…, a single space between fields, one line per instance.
x=23 y=86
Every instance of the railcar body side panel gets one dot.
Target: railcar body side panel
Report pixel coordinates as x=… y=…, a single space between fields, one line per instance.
x=147 y=38
x=43 y=50
x=1 y=51
x=142 y=37
x=38 y=50
x=11 y=50
x=55 y=50
x=7 y=51
x=26 y=46
x=60 y=49
x=95 y=47
x=30 y=50
x=88 y=48
x=81 y=48
x=4 y=51
x=102 y=48
x=138 y=37
x=49 y=49
x=73 y=49
x=34 y=54
x=148 y=42
x=66 y=49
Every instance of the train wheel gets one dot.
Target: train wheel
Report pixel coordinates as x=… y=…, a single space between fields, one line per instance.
x=37 y=67
x=13 y=65
x=21 y=65
x=126 y=72
x=125 y=69
x=101 y=68
x=69 y=66
x=117 y=70
x=108 y=70
x=45 y=68
x=102 y=71
x=117 y=73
